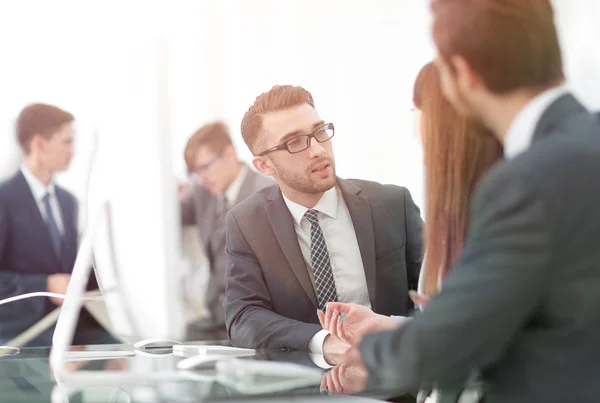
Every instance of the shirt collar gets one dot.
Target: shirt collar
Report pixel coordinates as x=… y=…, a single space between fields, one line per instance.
x=232 y=192
x=38 y=189
x=328 y=205
x=520 y=132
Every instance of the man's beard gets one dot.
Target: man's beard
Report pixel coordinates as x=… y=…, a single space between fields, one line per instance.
x=301 y=182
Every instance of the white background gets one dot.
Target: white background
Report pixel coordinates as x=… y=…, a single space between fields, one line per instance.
x=358 y=57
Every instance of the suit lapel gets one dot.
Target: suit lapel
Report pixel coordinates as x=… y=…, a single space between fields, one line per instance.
x=360 y=212
x=282 y=224
x=205 y=205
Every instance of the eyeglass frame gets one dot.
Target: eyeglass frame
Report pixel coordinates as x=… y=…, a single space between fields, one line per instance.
x=284 y=145
x=205 y=167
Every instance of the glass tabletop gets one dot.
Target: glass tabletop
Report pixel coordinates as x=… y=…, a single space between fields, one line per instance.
x=154 y=376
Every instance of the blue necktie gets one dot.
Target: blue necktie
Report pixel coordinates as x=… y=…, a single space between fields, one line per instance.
x=52 y=226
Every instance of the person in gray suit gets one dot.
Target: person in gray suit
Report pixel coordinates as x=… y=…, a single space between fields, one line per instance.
x=521 y=304
x=220 y=182
x=314 y=237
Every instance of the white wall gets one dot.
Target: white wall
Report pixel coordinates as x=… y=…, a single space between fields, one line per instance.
x=579 y=29
x=358 y=58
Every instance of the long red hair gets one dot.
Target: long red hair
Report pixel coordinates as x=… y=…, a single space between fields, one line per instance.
x=456 y=153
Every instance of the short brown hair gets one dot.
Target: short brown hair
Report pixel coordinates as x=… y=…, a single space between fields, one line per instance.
x=39 y=119
x=214 y=135
x=277 y=98
x=511 y=44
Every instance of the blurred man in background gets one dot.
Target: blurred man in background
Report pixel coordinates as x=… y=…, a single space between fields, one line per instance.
x=38 y=228
x=220 y=181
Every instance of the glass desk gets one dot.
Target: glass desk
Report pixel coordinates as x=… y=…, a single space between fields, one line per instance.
x=27 y=377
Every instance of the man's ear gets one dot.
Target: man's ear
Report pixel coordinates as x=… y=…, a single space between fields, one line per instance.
x=263 y=165
x=36 y=144
x=466 y=78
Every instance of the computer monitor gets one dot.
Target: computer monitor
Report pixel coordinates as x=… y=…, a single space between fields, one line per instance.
x=133 y=231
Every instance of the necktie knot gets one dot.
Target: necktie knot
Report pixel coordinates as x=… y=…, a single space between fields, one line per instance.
x=311 y=216
x=46 y=198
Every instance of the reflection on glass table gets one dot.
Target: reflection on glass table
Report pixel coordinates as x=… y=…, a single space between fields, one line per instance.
x=28 y=377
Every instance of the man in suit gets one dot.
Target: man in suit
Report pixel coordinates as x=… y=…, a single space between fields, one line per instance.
x=521 y=304
x=38 y=228
x=220 y=182
x=313 y=238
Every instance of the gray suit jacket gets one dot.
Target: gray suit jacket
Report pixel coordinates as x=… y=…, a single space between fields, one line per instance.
x=270 y=301
x=200 y=208
x=522 y=304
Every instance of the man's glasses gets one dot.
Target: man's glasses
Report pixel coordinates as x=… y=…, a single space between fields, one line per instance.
x=202 y=169
x=302 y=142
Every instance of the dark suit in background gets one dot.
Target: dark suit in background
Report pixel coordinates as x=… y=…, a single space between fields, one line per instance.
x=203 y=209
x=522 y=304
x=270 y=298
x=27 y=258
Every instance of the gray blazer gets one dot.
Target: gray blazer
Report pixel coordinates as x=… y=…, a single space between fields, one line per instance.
x=270 y=301
x=200 y=208
x=522 y=304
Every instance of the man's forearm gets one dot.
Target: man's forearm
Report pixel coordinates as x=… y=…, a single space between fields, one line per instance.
x=258 y=327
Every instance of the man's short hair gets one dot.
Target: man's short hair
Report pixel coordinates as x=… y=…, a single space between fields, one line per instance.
x=511 y=44
x=277 y=98
x=39 y=119
x=214 y=135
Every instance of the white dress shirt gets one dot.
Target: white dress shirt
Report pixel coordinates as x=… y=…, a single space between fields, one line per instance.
x=342 y=245
x=522 y=128
x=39 y=190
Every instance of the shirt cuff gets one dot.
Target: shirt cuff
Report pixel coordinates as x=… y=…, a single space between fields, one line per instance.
x=401 y=319
x=315 y=344
x=319 y=361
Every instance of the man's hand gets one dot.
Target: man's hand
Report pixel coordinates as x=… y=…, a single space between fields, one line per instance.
x=345 y=379
x=334 y=349
x=420 y=300
x=351 y=322
x=57 y=284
